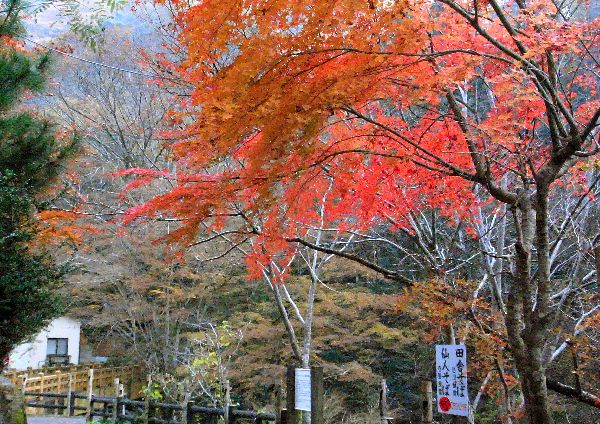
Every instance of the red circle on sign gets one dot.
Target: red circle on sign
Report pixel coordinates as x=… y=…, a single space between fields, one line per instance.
x=445 y=404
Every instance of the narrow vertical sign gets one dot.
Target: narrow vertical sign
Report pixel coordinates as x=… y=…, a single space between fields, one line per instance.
x=451 y=372
x=302 y=386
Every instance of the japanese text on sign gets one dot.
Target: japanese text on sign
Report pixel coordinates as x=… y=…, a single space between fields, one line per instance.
x=302 y=389
x=451 y=375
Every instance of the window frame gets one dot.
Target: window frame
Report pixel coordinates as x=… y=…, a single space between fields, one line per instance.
x=57 y=341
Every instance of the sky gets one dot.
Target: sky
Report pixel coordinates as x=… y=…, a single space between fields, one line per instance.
x=49 y=24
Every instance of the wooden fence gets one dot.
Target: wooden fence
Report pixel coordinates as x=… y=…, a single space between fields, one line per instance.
x=75 y=382
x=98 y=392
x=119 y=408
x=57 y=379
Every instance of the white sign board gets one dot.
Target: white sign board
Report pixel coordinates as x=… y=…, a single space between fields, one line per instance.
x=302 y=388
x=451 y=372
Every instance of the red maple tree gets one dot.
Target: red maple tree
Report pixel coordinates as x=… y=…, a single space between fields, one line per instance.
x=390 y=107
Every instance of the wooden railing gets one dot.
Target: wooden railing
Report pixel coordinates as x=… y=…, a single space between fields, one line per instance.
x=58 y=379
x=120 y=409
x=76 y=383
x=87 y=389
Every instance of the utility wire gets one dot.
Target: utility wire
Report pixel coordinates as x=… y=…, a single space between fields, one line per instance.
x=92 y=62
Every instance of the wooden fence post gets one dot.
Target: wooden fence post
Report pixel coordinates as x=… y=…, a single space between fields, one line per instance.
x=121 y=396
x=426 y=402
x=227 y=418
x=69 y=410
x=24 y=389
x=383 y=406
x=279 y=414
x=316 y=395
x=291 y=415
x=115 y=409
x=130 y=394
x=90 y=381
x=43 y=399
x=185 y=411
x=24 y=383
x=230 y=415
x=58 y=389
x=90 y=394
x=42 y=381
x=146 y=414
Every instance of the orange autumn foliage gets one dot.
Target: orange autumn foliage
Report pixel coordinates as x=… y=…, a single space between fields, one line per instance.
x=59 y=226
x=289 y=96
x=376 y=110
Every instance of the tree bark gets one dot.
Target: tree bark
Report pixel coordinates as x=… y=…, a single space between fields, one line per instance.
x=525 y=320
x=529 y=364
x=535 y=391
x=572 y=392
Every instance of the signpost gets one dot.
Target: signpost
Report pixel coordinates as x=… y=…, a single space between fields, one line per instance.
x=451 y=372
x=304 y=393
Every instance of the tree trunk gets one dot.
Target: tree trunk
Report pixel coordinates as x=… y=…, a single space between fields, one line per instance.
x=529 y=364
x=525 y=319
x=533 y=380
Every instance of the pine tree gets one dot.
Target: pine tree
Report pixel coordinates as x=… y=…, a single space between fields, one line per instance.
x=30 y=159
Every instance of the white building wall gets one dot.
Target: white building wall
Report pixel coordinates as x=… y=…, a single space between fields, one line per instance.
x=33 y=354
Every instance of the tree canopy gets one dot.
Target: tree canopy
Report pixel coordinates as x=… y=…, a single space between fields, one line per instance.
x=31 y=157
x=382 y=110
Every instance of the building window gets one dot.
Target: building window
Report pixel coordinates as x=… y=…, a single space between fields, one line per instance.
x=57 y=351
x=57 y=347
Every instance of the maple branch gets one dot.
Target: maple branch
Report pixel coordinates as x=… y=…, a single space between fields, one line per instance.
x=389 y=274
x=327 y=156
x=561 y=157
x=267 y=272
x=591 y=125
x=482 y=170
x=222 y=255
x=324 y=158
x=224 y=237
x=294 y=305
x=573 y=214
x=571 y=392
x=500 y=369
x=456 y=170
x=540 y=78
x=388 y=53
x=476 y=25
x=509 y=28
x=216 y=235
x=554 y=385
x=484 y=180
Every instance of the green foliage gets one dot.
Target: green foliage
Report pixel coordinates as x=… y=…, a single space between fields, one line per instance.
x=10 y=24
x=17 y=73
x=30 y=159
x=30 y=156
x=154 y=392
x=87 y=26
x=28 y=298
